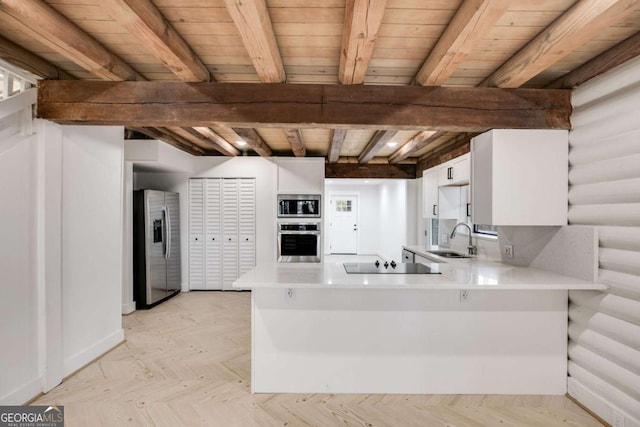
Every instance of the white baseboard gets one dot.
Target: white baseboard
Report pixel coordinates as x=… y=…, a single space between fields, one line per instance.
x=23 y=394
x=129 y=307
x=84 y=357
x=596 y=404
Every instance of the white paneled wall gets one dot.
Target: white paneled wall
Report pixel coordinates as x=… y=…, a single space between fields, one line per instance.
x=604 y=190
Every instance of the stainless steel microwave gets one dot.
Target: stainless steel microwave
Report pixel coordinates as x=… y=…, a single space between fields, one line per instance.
x=299 y=206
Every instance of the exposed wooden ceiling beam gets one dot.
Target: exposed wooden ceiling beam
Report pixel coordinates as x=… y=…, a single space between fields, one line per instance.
x=375 y=161
x=254 y=24
x=362 y=19
x=376 y=143
x=416 y=143
x=145 y=22
x=620 y=53
x=57 y=32
x=164 y=136
x=584 y=20
x=295 y=140
x=22 y=58
x=471 y=23
x=140 y=104
x=337 y=140
x=220 y=144
x=370 y=170
x=254 y=140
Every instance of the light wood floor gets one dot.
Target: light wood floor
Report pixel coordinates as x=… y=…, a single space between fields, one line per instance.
x=187 y=362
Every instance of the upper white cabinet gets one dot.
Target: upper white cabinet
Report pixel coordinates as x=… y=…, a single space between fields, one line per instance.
x=301 y=176
x=455 y=172
x=520 y=177
x=430 y=193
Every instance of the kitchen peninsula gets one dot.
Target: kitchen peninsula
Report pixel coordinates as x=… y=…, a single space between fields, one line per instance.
x=477 y=327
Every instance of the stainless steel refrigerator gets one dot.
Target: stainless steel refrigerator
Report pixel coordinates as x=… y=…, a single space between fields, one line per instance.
x=156 y=247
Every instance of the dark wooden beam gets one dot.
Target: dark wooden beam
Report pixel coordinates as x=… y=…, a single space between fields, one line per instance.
x=620 y=53
x=22 y=58
x=337 y=140
x=250 y=105
x=254 y=140
x=372 y=170
x=416 y=143
x=376 y=143
x=295 y=140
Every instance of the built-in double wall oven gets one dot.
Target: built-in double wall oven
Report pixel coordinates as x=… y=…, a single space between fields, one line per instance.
x=299 y=242
x=299 y=236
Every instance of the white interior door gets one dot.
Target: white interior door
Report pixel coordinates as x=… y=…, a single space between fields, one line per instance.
x=344 y=224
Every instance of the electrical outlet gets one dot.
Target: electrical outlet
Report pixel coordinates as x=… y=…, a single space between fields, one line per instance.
x=464 y=295
x=290 y=294
x=617 y=419
x=508 y=251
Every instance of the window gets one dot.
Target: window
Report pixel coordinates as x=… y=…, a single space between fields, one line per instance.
x=489 y=230
x=343 y=205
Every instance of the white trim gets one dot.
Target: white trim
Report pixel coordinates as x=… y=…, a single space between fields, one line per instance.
x=18 y=102
x=129 y=307
x=598 y=405
x=86 y=356
x=23 y=394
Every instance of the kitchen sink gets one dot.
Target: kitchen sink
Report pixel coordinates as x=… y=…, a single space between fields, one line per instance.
x=448 y=254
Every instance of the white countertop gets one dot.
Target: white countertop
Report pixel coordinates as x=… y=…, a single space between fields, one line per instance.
x=460 y=274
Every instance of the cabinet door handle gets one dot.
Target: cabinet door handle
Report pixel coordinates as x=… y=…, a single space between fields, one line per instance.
x=450 y=172
x=213 y=238
x=434 y=210
x=247 y=239
x=229 y=238
x=196 y=239
x=468 y=209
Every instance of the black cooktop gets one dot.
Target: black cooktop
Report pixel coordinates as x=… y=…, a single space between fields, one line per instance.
x=388 y=268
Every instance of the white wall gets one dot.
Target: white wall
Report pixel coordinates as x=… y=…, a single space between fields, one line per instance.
x=60 y=252
x=92 y=180
x=387 y=215
x=20 y=376
x=263 y=170
x=367 y=219
x=604 y=177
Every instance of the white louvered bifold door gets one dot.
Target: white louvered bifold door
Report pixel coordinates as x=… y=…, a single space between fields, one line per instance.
x=604 y=191
x=213 y=238
x=229 y=232
x=196 y=234
x=247 y=225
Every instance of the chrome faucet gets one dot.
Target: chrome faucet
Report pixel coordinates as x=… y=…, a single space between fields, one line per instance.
x=473 y=249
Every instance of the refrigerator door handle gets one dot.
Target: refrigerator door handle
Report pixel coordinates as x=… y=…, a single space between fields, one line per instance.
x=167 y=226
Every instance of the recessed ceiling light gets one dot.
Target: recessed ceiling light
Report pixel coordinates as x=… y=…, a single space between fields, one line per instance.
x=392 y=144
x=241 y=143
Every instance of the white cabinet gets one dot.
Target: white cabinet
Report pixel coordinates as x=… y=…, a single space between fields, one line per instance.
x=430 y=194
x=300 y=175
x=448 y=202
x=520 y=177
x=455 y=172
x=221 y=231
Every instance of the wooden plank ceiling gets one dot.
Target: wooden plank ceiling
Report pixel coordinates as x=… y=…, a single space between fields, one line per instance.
x=452 y=43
